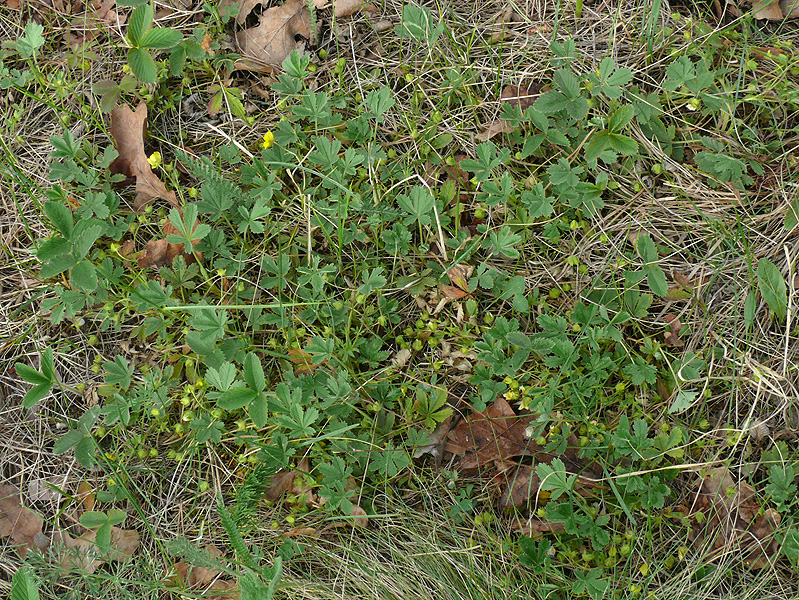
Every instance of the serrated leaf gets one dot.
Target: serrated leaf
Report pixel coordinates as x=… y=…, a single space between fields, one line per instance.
x=683 y=401
x=237 y=397
x=67 y=441
x=140 y=21
x=161 y=38
x=60 y=216
x=142 y=64
x=84 y=276
x=23 y=585
x=254 y=373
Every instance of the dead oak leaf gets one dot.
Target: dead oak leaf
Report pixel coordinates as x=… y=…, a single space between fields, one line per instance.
x=266 y=46
x=21 y=524
x=127 y=129
x=497 y=434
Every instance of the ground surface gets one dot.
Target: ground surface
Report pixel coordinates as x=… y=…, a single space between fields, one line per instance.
x=462 y=301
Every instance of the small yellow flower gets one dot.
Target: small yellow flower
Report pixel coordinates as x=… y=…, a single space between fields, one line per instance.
x=155 y=160
x=269 y=139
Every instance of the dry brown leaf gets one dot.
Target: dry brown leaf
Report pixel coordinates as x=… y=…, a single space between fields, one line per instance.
x=85 y=27
x=205 y=580
x=523 y=97
x=127 y=129
x=160 y=253
x=82 y=553
x=452 y=293
x=494 y=435
x=494 y=128
x=536 y=529
x=790 y=8
x=267 y=45
x=493 y=439
x=360 y=520
x=86 y=495
x=733 y=520
x=281 y=482
x=14 y=4
x=672 y=337
x=21 y=524
x=515 y=95
x=302 y=360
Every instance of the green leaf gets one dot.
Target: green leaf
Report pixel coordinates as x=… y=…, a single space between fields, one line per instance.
x=67 y=441
x=237 y=397
x=254 y=372
x=24 y=585
x=142 y=64
x=554 y=478
x=772 y=287
x=683 y=401
x=60 y=216
x=372 y=280
x=29 y=43
x=621 y=118
x=590 y=583
x=656 y=279
x=84 y=276
x=93 y=519
x=119 y=372
x=378 y=102
x=140 y=21
x=161 y=38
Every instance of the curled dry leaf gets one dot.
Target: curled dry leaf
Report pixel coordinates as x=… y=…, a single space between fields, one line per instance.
x=266 y=46
x=672 y=337
x=205 y=580
x=21 y=524
x=733 y=520
x=127 y=129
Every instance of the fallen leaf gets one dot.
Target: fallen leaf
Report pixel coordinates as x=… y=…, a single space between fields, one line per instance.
x=536 y=529
x=452 y=293
x=21 y=524
x=523 y=97
x=733 y=520
x=205 y=580
x=494 y=128
x=515 y=95
x=266 y=46
x=672 y=337
x=83 y=555
x=302 y=360
x=84 y=28
x=401 y=358
x=492 y=439
x=46 y=490
x=494 y=435
x=127 y=129
x=160 y=253
x=281 y=482
x=360 y=519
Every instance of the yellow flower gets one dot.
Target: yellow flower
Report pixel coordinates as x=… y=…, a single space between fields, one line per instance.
x=269 y=139
x=155 y=160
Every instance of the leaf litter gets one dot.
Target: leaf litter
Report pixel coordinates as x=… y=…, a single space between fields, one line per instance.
x=725 y=516
x=499 y=443
x=24 y=526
